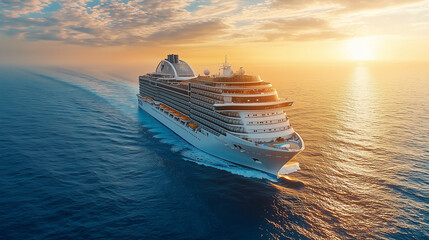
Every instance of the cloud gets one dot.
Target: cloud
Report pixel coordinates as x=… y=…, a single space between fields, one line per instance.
x=137 y=22
x=216 y=8
x=343 y=6
x=76 y=22
x=16 y=8
x=297 y=24
x=190 y=32
x=116 y=22
x=300 y=29
x=307 y=36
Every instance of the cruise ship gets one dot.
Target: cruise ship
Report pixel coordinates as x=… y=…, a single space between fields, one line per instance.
x=230 y=115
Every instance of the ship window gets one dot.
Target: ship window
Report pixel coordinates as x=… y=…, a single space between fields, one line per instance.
x=255 y=99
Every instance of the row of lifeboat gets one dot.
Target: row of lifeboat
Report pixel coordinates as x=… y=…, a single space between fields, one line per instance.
x=148 y=99
x=178 y=115
x=175 y=113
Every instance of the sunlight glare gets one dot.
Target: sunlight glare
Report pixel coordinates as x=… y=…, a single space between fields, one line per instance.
x=360 y=49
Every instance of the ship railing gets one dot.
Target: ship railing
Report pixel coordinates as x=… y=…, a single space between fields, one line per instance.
x=182 y=99
x=208 y=94
x=174 y=89
x=259 y=115
x=232 y=120
x=276 y=121
x=217 y=123
x=159 y=75
x=229 y=114
x=209 y=125
x=249 y=91
x=271 y=130
x=174 y=104
x=219 y=117
x=208 y=129
x=205 y=87
x=202 y=104
x=186 y=75
x=205 y=99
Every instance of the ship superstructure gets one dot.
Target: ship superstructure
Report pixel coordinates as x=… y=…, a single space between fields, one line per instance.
x=233 y=116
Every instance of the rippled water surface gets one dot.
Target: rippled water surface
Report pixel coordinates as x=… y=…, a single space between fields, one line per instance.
x=79 y=160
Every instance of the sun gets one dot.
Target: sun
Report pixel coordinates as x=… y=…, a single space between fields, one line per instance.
x=360 y=49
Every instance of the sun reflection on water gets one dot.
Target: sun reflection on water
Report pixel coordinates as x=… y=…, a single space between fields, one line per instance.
x=347 y=166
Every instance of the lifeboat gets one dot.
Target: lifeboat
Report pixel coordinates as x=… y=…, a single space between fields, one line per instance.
x=177 y=114
x=183 y=117
x=192 y=125
x=172 y=111
x=167 y=108
x=162 y=106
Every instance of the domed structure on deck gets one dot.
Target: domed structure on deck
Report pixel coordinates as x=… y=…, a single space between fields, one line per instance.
x=174 y=67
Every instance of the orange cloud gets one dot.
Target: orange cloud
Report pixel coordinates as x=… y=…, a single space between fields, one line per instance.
x=300 y=29
x=190 y=32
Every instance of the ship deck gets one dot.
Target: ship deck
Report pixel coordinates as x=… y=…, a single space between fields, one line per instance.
x=288 y=144
x=291 y=144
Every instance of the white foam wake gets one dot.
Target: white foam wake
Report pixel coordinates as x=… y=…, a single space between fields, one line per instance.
x=205 y=159
x=289 y=168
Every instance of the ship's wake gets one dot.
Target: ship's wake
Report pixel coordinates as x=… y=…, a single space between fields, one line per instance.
x=122 y=96
x=205 y=159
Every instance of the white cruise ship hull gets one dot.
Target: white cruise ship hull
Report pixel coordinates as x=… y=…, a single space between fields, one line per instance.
x=229 y=147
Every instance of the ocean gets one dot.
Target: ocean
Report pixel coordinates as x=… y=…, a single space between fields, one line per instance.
x=79 y=160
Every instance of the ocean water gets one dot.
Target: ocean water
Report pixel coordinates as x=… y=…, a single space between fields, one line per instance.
x=79 y=160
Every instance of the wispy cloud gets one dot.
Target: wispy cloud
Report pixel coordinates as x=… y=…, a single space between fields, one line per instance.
x=136 y=22
x=300 y=29
x=190 y=32
x=343 y=5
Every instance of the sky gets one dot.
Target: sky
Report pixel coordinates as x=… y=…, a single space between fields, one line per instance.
x=141 y=32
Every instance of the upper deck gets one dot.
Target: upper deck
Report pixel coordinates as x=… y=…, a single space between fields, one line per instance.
x=234 y=79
